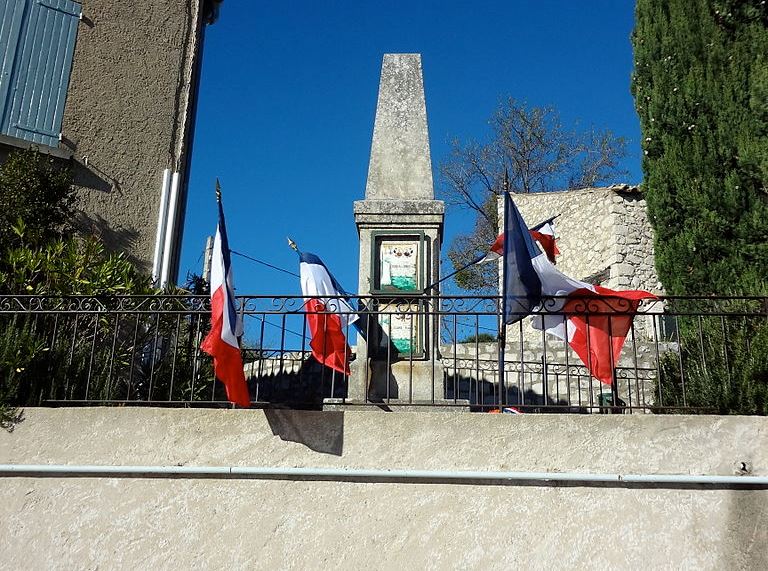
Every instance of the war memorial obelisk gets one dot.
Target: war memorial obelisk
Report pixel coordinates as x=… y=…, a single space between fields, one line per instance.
x=400 y=225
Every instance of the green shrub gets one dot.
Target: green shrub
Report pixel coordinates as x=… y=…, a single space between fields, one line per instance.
x=724 y=363
x=37 y=191
x=480 y=338
x=70 y=266
x=20 y=349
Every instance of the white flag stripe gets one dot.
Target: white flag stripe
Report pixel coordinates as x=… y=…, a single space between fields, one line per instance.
x=218 y=281
x=316 y=282
x=554 y=283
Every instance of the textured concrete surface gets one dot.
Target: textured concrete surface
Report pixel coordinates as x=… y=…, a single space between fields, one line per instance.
x=400 y=165
x=136 y=523
x=127 y=113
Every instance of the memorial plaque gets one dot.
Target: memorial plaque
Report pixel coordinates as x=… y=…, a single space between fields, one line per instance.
x=398 y=262
x=401 y=328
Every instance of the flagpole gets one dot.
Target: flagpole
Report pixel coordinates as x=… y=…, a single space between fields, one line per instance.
x=292 y=245
x=479 y=258
x=218 y=191
x=543 y=222
x=223 y=340
x=461 y=269
x=502 y=319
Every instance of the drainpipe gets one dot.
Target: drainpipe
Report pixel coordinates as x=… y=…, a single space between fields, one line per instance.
x=162 y=217
x=170 y=228
x=185 y=142
x=341 y=474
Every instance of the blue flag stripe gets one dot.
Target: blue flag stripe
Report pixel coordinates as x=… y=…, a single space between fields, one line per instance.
x=522 y=286
x=231 y=310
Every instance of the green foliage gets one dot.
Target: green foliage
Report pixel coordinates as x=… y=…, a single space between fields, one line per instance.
x=37 y=195
x=539 y=154
x=724 y=364
x=71 y=266
x=92 y=354
x=19 y=348
x=479 y=338
x=701 y=90
x=104 y=353
x=477 y=277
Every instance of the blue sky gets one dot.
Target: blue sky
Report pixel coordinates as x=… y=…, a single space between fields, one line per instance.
x=288 y=98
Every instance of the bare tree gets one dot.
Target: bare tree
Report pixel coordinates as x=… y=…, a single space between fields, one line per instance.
x=539 y=155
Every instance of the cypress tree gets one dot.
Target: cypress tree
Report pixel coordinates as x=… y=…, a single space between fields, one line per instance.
x=701 y=91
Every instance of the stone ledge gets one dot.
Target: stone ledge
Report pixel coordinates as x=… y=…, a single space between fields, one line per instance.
x=399 y=207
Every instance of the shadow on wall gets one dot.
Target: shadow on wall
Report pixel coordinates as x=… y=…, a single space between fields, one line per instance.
x=121 y=240
x=481 y=392
x=304 y=389
x=320 y=432
x=90 y=176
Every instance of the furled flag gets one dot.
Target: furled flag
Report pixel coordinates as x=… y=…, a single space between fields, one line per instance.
x=593 y=319
x=221 y=343
x=328 y=312
x=543 y=233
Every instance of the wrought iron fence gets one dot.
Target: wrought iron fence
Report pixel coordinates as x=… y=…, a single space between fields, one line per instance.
x=680 y=355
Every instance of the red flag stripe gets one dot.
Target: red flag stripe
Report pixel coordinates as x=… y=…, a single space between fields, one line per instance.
x=227 y=361
x=221 y=343
x=548 y=243
x=328 y=343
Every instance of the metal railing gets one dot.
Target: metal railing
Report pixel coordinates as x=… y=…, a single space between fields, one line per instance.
x=680 y=355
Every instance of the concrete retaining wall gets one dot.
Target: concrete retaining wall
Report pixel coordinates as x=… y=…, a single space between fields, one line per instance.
x=89 y=523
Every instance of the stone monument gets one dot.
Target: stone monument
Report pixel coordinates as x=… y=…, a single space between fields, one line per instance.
x=400 y=225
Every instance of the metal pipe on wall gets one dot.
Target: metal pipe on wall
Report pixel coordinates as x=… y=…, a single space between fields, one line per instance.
x=446 y=476
x=170 y=228
x=162 y=216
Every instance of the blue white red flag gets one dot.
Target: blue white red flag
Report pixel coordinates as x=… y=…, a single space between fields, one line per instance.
x=593 y=320
x=495 y=251
x=544 y=234
x=329 y=313
x=221 y=343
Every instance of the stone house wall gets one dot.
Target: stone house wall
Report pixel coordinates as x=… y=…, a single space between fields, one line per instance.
x=604 y=238
x=128 y=114
x=599 y=229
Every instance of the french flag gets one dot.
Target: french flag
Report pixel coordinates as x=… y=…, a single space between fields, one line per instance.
x=328 y=312
x=495 y=252
x=544 y=234
x=226 y=326
x=593 y=320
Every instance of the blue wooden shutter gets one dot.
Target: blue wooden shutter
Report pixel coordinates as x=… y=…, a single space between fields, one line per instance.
x=11 y=13
x=36 y=90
